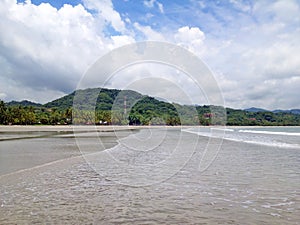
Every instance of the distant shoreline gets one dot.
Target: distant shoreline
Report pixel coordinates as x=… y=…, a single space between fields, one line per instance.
x=62 y=128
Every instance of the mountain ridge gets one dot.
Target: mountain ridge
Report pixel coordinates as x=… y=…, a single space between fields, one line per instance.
x=68 y=98
x=103 y=106
x=254 y=109
x=23 y=103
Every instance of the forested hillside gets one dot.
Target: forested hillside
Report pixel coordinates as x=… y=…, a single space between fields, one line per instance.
x=110 y=106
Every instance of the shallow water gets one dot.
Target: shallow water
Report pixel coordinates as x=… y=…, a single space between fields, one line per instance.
x=150 y=177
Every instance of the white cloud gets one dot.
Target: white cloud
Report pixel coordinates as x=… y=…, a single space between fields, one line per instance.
x=253 y=47
x=158 y=80
x=120 y=40
x=45 y=50
x=149 y=3
x=190 y=38
x=152 y=3
x=256 y=61
x=149 y=33
x=2 y=95
x=240 y=5
x=160 y=7
x=106 y=11
x=278 y=11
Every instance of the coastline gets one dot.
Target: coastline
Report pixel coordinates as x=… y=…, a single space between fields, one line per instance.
x=62 y=128
x=68 y=128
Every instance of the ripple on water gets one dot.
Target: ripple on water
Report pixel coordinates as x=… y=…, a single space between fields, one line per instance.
x=71 y=192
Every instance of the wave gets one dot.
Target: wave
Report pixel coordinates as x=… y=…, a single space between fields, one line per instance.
x=20 y=171
x=266 y=143
x=223 y=129
x=205 y=134
x=270 y=132
x=210 y=132
x=242 y=136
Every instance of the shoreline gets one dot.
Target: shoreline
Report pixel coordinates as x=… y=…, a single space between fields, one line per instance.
x=62 y=128
x=65 y=128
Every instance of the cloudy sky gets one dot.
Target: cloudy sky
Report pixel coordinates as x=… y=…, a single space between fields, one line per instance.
x=252 y=47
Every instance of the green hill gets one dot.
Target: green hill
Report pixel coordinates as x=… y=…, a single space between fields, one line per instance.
x=24 y=103
x=61 y=103
x=108 y=105
x=119 y=107
x=101 y=98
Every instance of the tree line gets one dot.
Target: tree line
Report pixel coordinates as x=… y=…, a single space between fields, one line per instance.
x=147 y=111
x=31 y=115
x=102 y=106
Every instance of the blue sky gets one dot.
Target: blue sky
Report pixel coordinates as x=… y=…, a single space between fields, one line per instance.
x=57 y=4
x=252 y=47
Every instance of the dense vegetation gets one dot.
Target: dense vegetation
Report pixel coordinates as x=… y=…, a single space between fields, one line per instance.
x=107 y=106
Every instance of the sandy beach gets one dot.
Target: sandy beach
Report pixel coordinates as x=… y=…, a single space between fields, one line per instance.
x=46 y=178
x=6 y=128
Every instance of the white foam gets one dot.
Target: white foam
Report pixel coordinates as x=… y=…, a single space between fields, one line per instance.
x=205 y=134
x=223 y=129
x=278 y=204
x=271 y=144
x=270 y=132
x=234 y=136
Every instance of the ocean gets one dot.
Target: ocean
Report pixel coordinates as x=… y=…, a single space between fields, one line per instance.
x=157 y=175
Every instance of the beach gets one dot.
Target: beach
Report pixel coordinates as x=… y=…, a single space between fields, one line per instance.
x=134 y=175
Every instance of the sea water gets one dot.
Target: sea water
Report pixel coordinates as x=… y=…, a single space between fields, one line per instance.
x=286 y=137
x=157 y=175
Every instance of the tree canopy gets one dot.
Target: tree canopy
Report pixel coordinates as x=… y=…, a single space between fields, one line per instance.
x=110 y=106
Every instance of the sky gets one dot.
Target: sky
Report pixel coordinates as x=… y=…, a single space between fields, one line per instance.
x=251 y=47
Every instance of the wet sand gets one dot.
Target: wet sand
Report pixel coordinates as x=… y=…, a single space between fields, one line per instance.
x=26 y=147
x=17 y=128
x=246 y=184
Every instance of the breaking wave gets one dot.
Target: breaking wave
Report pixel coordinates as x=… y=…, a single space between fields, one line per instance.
x=259 y=137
